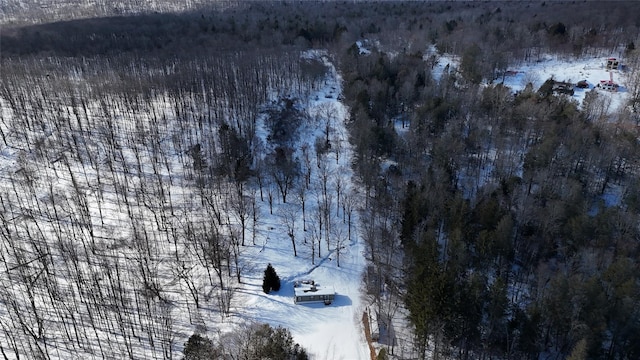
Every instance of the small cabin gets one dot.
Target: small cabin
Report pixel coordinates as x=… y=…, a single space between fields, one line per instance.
x=608 y=85
x=308 y=291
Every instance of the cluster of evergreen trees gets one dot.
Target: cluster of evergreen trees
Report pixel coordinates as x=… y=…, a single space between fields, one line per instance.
x=508 y=241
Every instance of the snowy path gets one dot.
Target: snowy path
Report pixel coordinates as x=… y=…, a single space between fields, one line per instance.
x=327 y=332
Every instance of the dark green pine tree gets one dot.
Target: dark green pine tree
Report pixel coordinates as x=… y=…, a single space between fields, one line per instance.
x=199 y=348
x=270 y=281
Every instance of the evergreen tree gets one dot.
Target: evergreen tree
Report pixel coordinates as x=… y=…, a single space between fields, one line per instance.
x=271 y=280
x=199 y=348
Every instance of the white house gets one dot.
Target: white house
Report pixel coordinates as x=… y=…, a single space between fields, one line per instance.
x=308 y=291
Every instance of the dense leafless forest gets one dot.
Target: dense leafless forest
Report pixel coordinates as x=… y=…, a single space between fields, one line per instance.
x=498 y=225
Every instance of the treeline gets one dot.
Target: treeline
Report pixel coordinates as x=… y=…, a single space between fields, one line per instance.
x=17 y=12
x=171 y=34
x=503 y=32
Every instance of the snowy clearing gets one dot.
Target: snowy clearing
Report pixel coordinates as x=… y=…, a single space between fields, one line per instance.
x=328 y=332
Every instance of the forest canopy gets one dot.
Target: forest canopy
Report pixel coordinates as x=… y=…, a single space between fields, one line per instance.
x=498 y=224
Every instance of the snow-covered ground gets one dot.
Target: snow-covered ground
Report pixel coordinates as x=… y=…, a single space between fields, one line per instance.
x=125 y=240
x=327 y=332
x=593 y=70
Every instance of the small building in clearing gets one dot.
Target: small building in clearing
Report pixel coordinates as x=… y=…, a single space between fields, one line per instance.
x=308 y=291
x=608 y=85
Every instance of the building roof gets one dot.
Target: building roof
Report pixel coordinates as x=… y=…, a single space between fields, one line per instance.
x=310 y=287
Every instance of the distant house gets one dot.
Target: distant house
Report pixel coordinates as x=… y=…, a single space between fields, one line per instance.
x=612 y=66
x=612 y=63
x=308 y=291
